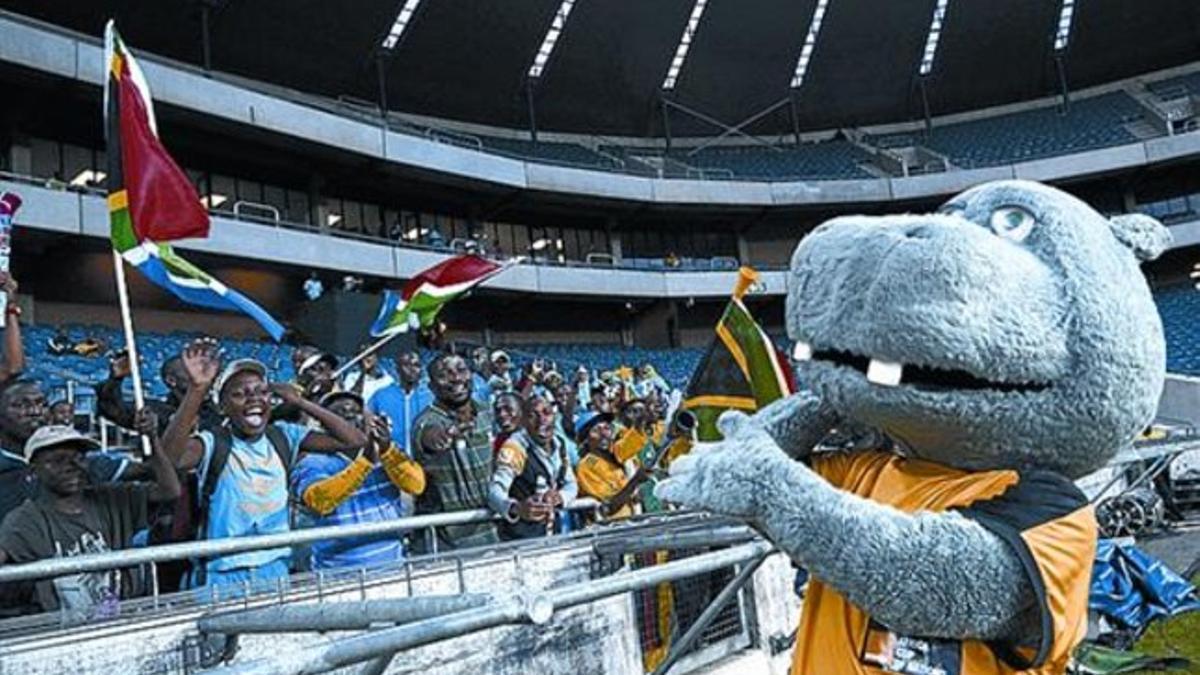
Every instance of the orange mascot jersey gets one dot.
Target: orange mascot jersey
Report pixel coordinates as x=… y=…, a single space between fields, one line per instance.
x=1042 y=516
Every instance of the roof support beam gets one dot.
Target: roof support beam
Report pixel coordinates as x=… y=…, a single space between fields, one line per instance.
x=726 y=128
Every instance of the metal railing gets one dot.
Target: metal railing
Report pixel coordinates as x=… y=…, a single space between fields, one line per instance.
x=537 y=608
x=241 y=206
x=208 y=548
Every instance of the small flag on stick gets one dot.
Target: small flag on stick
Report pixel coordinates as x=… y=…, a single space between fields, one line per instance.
x=742 y=369
x=418 y=303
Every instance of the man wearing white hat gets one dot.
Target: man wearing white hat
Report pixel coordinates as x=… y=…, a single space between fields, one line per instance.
x=71 y=517
x=243 y=466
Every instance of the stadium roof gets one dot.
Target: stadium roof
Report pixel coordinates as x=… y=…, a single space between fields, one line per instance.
x=468 y=59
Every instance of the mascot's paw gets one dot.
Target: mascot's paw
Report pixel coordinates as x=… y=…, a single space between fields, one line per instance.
x=731 y=477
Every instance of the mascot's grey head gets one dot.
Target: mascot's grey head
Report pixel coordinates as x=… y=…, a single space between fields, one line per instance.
x=1012 y=329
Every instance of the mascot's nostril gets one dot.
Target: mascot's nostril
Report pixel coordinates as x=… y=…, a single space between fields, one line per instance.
x=920 y=231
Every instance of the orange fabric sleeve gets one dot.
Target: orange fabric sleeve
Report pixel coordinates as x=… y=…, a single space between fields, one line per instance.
x=403 y=471
x=628 y=445
x=595 y=481
x=326 y=495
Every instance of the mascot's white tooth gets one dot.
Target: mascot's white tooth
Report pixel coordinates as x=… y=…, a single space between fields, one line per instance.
x=885 y=373
x=802 y=352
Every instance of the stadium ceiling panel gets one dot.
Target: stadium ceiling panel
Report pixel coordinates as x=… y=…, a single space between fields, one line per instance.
x=729 y=75
x=469 y=59
x=1113 y=39
x=607 y=73
x=993 y=53
x=867 y=63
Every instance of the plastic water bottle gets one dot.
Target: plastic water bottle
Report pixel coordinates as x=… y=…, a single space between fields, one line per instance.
x=540 y=492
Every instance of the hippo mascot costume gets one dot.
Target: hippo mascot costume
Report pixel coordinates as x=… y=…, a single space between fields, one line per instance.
x=1003 y=347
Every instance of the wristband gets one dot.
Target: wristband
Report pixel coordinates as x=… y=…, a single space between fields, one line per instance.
x=513 y=513
x=13 y=310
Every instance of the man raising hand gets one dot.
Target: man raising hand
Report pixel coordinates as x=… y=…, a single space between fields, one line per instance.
x=243 y=465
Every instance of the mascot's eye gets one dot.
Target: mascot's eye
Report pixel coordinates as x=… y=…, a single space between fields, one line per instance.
x=1012 y=222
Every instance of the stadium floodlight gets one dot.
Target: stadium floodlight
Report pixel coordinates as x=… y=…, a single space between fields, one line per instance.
x=406 y=12
x=935 y=34
x=1063 y=35
x=810 y=41
x=551 y=38
x=685 y=43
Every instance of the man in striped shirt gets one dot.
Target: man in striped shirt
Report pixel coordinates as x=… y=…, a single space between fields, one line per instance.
x=362 y=486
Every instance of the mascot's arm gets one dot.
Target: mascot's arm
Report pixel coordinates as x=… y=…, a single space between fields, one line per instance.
x=796 y=423
x=938 y=575
x=930 y=574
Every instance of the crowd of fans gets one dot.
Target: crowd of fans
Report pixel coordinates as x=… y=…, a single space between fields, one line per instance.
x=232 y=454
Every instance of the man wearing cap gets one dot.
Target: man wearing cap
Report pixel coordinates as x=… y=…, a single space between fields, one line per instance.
x=69 y=517
x=453 y=442
x=366 y=486
x=600 y=400
x=243 y=466
x=370 y=377
x=500 y=379
x=402 y=402
x=314 y=379
x=600 y=474
x=533 y=475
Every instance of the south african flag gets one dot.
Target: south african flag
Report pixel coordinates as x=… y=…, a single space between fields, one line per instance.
x=150 y=199
x=418 y=303
x=742 y=369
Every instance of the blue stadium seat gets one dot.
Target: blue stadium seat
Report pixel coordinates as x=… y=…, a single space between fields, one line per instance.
x=1179 y=306
x=1091 y=123
x=826 y=160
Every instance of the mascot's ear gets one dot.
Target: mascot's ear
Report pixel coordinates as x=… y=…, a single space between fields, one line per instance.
x=1145 y=236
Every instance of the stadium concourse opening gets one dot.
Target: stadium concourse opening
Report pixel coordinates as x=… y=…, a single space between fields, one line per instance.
x=397 y=339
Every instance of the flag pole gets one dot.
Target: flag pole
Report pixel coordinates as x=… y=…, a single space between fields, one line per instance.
x=376 y=346
x=135 y=369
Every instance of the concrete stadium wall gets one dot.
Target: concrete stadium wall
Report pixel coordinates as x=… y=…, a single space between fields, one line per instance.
x=275 y=110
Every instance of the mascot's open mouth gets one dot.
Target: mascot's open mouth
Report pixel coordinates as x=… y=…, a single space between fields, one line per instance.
x=928 y=378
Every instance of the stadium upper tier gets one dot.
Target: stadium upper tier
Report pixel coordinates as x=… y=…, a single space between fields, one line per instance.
x=1120 y=126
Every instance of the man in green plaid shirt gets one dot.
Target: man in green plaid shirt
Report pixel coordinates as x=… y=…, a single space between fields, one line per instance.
x=454 y=447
